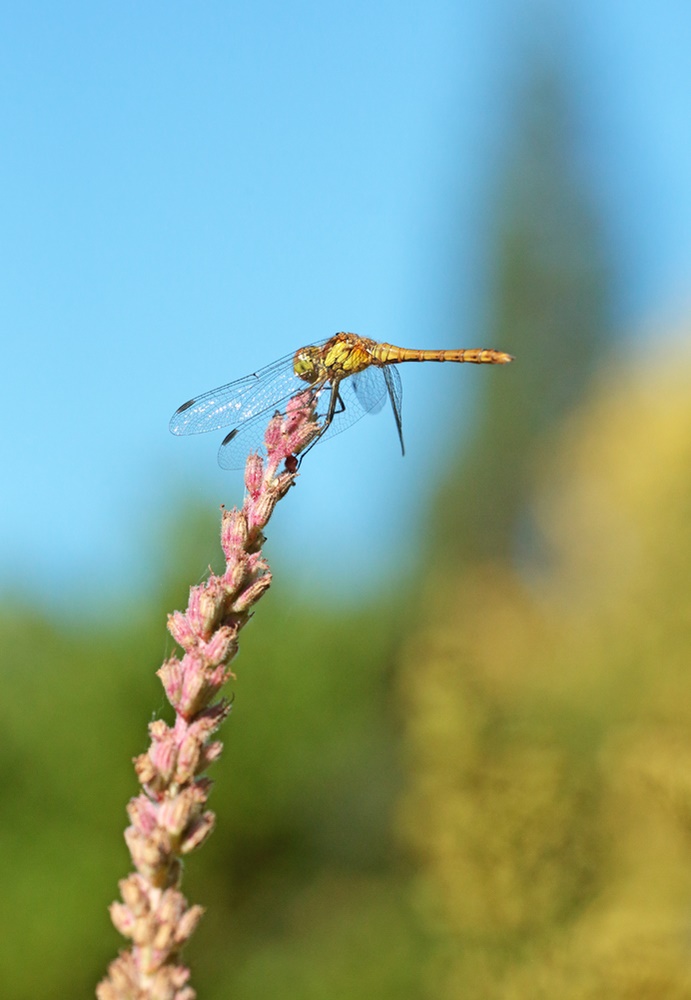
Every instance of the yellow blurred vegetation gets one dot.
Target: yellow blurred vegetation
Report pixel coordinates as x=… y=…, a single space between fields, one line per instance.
x=547 y=714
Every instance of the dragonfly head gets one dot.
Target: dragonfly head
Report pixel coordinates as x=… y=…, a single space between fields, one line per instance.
x=308 y=364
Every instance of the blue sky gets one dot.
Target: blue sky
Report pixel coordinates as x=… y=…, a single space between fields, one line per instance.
x=191 y=191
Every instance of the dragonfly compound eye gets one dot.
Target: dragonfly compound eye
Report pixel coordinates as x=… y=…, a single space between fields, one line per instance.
x=306 y=364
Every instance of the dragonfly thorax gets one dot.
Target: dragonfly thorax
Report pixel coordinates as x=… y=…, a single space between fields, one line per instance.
x=344 y=354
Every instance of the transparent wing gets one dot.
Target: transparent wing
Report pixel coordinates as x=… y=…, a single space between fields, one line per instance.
x=358 y=394
x=395 y=390
x=249 y=434
x=371 y=388
x=238 y=401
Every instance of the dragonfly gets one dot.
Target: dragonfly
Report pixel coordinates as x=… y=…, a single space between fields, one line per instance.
x=346 y=375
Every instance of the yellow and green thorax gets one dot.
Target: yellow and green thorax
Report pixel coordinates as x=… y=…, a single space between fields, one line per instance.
x=344 y=354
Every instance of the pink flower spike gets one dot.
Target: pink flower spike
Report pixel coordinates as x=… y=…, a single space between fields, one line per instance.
x=169 y=818
x=222 y=646
x=254 y=471
x=181 y=630
x=234 y=530
x=170 y=674
x=252 y=594
x=197 y=833
x=301 y=425
x=273 y=438
x=142 y=813
x=123 y=918
x=163 y=755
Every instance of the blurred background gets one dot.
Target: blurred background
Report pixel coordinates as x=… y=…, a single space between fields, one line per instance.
x=459 y=759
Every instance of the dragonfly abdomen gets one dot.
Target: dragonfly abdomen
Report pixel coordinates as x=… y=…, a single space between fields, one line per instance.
x=389 y=354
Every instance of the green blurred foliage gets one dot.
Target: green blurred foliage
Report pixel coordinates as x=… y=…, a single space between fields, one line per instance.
x=298 y=876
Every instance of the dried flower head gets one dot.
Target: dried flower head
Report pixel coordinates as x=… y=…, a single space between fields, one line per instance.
x=169 y=818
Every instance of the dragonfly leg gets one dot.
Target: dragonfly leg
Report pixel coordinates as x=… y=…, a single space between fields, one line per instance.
x=336 y=405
